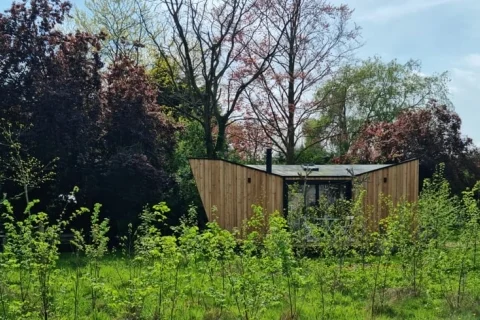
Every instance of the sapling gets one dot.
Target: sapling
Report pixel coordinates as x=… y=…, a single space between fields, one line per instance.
x=5 y=272
x=79 y=246
x=95 y=249
x=163 y=260
x=217 y=251
x=248 y=283
x=19 y=250
x=438 y=213
x=405 y=234
x=383 y=242
x=466 y=244
x=154 y=268
x=47 y=250
x=19 y=167
x=326 y=273
x=128 y=297
x=472 y=226
x=32 y=247
x=188 y=240
x=78 y=243
x=280 y=257
x=385 y=252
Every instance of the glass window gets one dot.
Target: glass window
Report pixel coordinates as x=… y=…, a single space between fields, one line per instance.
x=314 y=192
x=332 y=191
x=311 y=195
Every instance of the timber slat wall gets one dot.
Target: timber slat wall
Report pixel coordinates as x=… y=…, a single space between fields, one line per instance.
x=402 y=183
x=225 y=186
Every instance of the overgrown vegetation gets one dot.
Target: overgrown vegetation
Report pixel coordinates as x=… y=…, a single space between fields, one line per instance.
x=422 y=262
x=119 y=105
x=117 y=99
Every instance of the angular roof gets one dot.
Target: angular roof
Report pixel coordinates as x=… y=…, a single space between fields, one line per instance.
x=324 y=170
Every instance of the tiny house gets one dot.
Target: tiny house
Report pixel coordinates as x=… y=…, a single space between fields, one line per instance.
x=232 y=188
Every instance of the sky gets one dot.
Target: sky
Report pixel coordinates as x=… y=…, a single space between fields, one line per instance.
x=443 y=34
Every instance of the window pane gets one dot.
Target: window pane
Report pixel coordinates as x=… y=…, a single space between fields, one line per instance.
x=310 y=196
x=297 y=200
x=332 y=192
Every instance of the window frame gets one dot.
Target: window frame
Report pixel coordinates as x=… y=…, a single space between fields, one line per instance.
x=316 y=183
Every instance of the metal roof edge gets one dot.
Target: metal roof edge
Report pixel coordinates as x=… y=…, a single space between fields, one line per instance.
x=388 y=165
x=238 y=164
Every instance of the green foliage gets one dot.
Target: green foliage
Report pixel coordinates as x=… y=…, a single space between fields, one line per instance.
x=95 y=126
x=189 y=145
x=31 y=253
x=121 y=25
x=372 y=91
x=421 y=261
x=430 y=134
x=312 y=154
x=94 y=250
x=17 y=165
x=166 y=75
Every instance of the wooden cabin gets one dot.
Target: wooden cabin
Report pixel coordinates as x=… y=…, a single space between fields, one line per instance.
x=232 y=188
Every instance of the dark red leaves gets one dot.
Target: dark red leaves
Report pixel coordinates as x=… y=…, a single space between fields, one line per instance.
x=431 y=134
x=110 y=135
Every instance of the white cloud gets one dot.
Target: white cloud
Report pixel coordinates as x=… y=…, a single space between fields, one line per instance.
x=473 y=60
x=453 y=89
x=466 y=75
x=464 y=89
x=463 y=78
x=402 y=8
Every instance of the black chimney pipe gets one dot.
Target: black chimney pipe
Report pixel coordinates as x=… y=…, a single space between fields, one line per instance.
x=269 y=160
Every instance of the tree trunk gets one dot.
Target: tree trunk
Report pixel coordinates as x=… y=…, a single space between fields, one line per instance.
x=344 y=138
x=221 y=138
x=290 y=156
x=290 y=147
x=209 y=146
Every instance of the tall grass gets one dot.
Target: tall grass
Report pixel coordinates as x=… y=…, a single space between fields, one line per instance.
x=421 y=262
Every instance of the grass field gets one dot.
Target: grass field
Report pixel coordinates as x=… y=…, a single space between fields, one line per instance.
x=125 y=291
x=422 y=263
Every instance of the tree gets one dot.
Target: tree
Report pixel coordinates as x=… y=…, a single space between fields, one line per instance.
x=139 y=143
x=318 y=37
x=313 y=149
x=372 y=91
x=52 y=81
x=111 y=138
x=249 y=140
x=171 y=88
x=120 y=23
x=17 y=166
x=431 y=134
x=206 y=41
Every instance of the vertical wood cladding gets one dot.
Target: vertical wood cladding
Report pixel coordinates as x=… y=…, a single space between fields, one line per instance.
x=399 y=182
x=232 y=189
x=225 y=186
